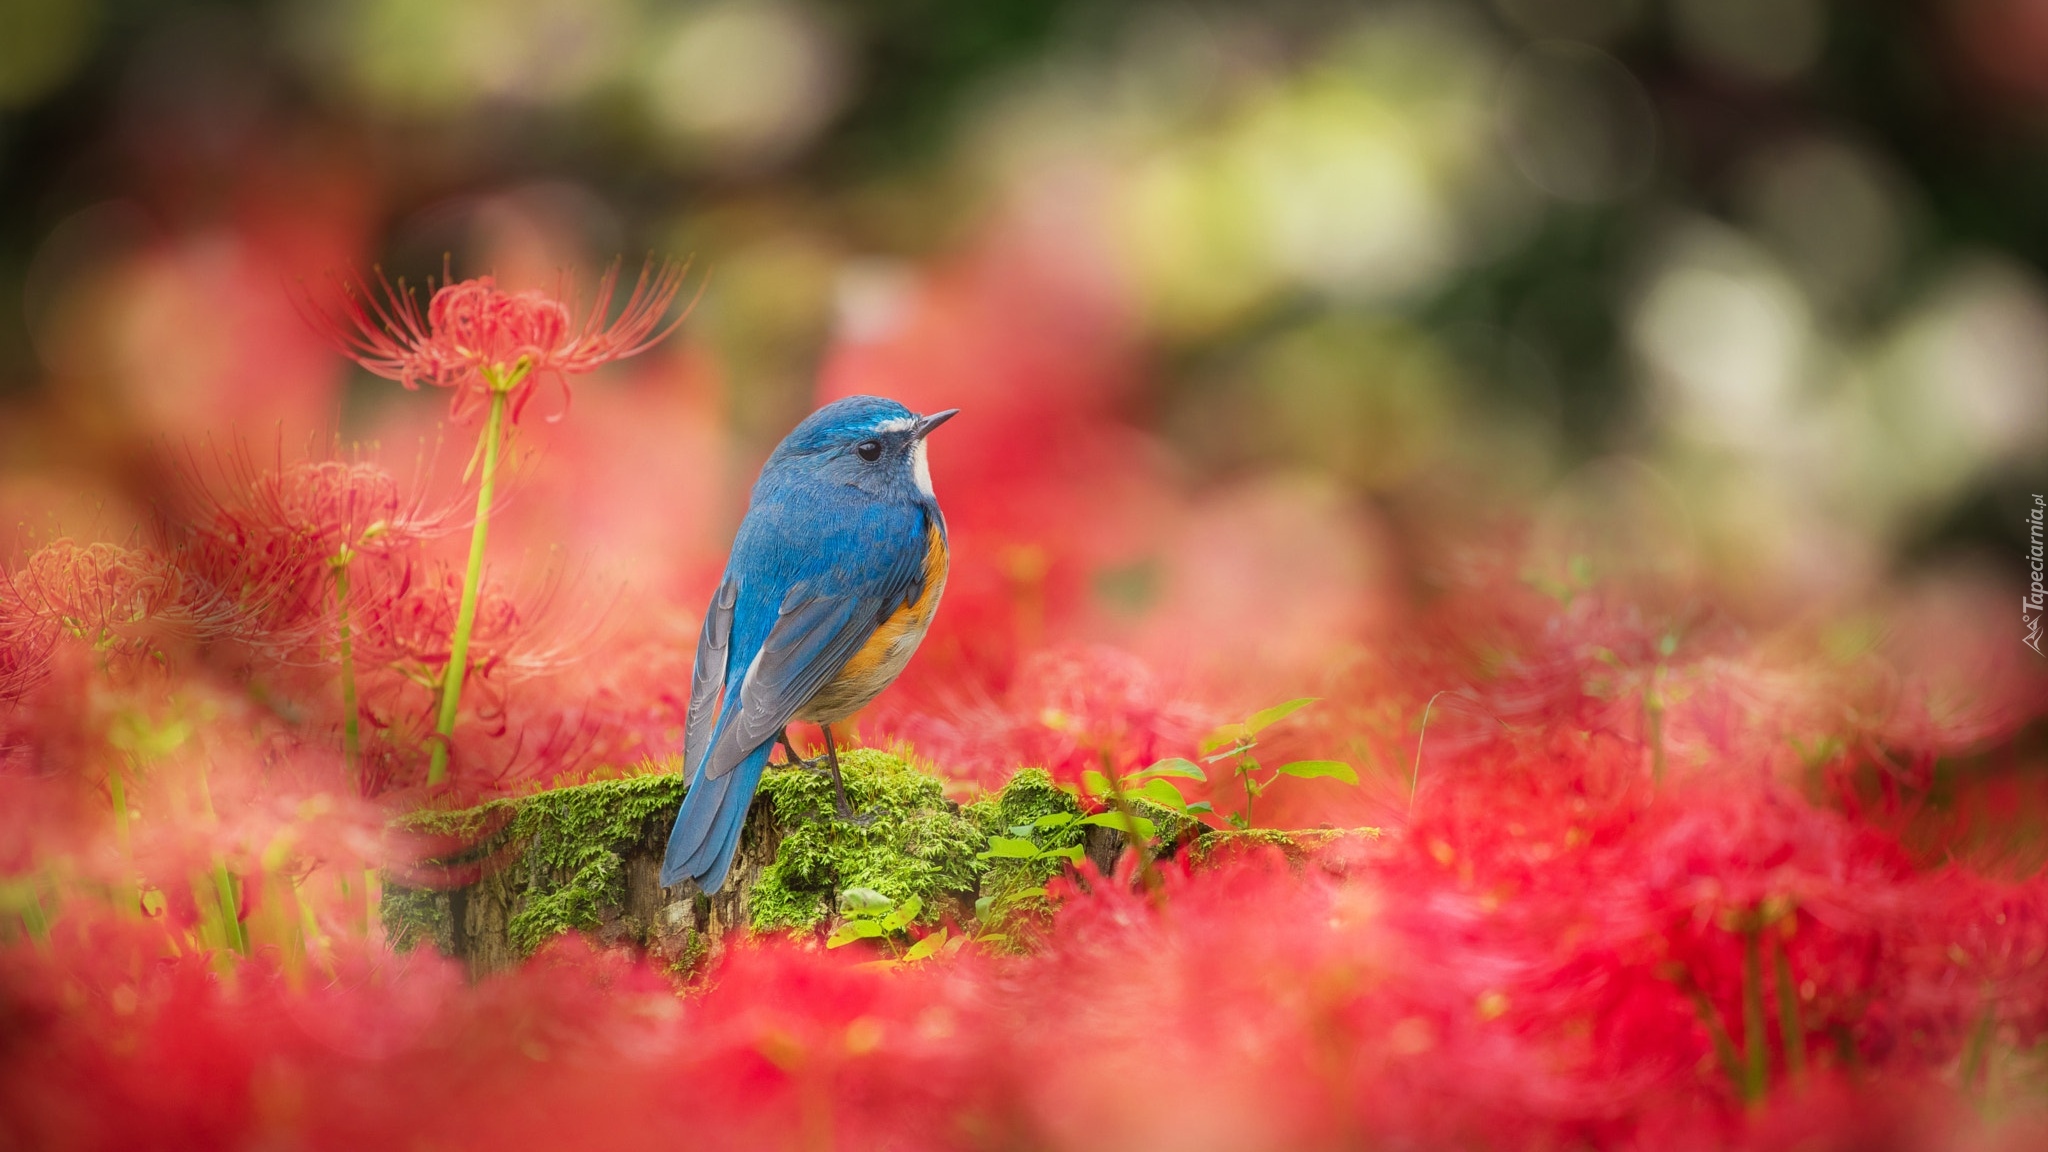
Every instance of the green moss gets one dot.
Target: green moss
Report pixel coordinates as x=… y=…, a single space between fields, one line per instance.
x=413 y=916
x=467 y=825
x=575 y=837
x=915 y=842
x=1029 y=795
x=1173 y=826
x=1296 y=846
x=555 y=861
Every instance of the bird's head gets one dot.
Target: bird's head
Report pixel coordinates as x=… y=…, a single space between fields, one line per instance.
x=864 y=442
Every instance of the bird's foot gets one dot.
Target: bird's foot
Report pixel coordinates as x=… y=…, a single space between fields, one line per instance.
x=817 y=766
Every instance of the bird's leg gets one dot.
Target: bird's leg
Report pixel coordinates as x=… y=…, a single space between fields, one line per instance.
x=838 y=786
x=794 y=761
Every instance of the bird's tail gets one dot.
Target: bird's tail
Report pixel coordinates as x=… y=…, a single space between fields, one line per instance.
x=707 y=828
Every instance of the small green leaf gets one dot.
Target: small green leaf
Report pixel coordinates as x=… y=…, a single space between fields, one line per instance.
x=1200 y=806
x=1227 y=734
x=1164 y=794
x=1052 y=820
x=1095 y=783
x=1267 y=717
x=856 y=901
x=1238 y=822
x=982 y=907
x=1073 y=853
x=903 y=915
x=1173 y=766
x=1313 y=769
x=927 y=947
x=1146 y=829
x=1021 y=829
x=854 y=930
x=1008 y=848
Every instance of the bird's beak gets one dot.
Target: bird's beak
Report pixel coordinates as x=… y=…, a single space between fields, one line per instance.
x=925 y=424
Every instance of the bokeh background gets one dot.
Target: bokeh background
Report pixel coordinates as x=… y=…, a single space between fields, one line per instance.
x=1272 y=325
x=1634 y=404
x=1416 y=257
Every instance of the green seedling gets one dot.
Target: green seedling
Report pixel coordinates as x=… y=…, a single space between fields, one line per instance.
x=866 y=914
x=1235 y=742
x=1153 y=784
x=1020 y=846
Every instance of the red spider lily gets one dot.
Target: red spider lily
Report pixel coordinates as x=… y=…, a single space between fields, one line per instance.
x=408 y=617
x=1258 y=1007
x=122 y=602
x=281 y=540
x=553 y=719
x=335 y=506
x=405 y=616
x=103 y=594
x=25 y=643
x=475 y=336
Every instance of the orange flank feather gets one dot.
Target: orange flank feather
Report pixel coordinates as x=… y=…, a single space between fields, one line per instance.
x=879 y=661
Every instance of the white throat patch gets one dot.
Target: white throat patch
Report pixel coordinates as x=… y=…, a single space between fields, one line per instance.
x=921 y=469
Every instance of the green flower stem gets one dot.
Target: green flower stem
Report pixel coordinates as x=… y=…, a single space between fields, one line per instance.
x=129 y=893
x=232 y=934
x=1142 y=845
x=1724 y=1048
x=1654 y=703
x=1976 y=1055
x=228 y=906
x=1415 y=776
x=1756 y=1048
x=1653 y=716
x=351 y=723
x=34 y=920
x=1731 y=1062
x=1792 y=1030
x=118 y=793
x=373 y=902
x=501 y=384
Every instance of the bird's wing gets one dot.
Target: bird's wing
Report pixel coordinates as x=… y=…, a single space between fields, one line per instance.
x=707 y=678
x=825 y=616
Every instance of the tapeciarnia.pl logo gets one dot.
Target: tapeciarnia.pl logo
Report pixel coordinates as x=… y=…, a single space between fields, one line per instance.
x=2036 y=599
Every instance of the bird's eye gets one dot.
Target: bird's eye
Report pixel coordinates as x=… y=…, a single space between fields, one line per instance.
x=870 y=450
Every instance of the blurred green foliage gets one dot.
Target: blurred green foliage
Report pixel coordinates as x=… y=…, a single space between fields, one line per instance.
x=1371 y=239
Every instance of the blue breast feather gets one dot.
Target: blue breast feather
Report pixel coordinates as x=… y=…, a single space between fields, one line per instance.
x=815 y=569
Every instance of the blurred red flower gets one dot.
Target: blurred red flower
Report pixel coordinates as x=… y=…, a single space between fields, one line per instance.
x=474 y=330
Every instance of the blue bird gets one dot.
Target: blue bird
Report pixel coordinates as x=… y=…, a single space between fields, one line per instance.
x=833 y=579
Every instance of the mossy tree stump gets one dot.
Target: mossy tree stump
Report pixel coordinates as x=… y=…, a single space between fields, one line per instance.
x=497 y=881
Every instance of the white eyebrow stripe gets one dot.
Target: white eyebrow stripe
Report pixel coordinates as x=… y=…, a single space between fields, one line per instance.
x=899 y=424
